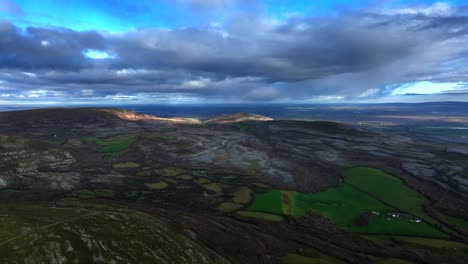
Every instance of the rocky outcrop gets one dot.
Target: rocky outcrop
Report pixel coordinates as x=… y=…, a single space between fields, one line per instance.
x=418 y=169
x=236 y=118
x=458 y=150
x=132 y=116
x=461 y=182
x=3 y=183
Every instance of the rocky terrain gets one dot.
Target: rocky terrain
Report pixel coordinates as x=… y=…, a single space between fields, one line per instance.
x=64 y=156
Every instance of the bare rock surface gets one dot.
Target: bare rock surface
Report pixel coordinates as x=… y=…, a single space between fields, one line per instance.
x=419 y=169
x=458 y=150
x=3 y=183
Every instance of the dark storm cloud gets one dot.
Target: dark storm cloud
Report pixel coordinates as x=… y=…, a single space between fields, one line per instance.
x=37 y=48
x=252 y=58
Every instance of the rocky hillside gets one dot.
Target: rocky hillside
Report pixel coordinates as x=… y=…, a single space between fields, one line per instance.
x=204 y=179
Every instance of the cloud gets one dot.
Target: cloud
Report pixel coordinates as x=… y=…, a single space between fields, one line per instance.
x=10 y=7
x=206 y=3
x=436 y=9
x=357 y=54
x=213 y=5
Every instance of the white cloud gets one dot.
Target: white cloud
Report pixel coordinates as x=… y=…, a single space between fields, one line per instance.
x=436 y=9
x=426 y=88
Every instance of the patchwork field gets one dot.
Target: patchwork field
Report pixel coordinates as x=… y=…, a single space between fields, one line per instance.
x=388 y=189
x=99 y=189
x=368 y=201
x=111 y=145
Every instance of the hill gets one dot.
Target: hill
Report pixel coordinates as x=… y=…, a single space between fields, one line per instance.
x=234 y=183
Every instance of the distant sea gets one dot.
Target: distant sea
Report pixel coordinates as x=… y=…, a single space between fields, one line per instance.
x=338 y=112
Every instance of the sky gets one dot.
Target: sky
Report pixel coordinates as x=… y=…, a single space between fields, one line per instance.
x=65 y=52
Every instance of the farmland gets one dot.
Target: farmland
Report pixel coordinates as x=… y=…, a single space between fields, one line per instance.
x=259 y=192
x=388 y=189
x=350 y=207
x=111 y=145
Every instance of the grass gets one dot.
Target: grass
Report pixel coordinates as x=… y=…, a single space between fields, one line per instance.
x=202 y=181
x=144 y=173
x=170 y=171
x=229 y=178
x=345 y=204
x=388 y=189
x=433 y=243
x=437 y=246
x=126 y=165
x=89 y=139
x=399 y=226
x=242 y=195
x=185 y=177
x=105 y=193
x=268 y=202
x=229 y=207
x=22 y=218
x=158 y=185
x=33 y=234
x=84 y=194
x=458 y=222
x=259 y=215
x=113 y=144
x=299 y=259
x=214 y=187
x=342 y=203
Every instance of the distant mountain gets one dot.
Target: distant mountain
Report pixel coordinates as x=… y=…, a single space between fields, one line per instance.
x=236 y=118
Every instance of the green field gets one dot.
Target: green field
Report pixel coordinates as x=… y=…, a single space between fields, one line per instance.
x=170 y=171
x=268 y=202
x=460 y=223
x=388 y=189
x=242 y=195
x=229 y=207
x=185 y=177
x=348 y=202
x=157 y=185
x=214 y=187
x=113 y=144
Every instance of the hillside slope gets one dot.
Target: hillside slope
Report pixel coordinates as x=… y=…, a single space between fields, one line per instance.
x=234 y=183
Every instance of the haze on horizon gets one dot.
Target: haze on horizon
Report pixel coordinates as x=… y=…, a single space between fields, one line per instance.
x=232 y=51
